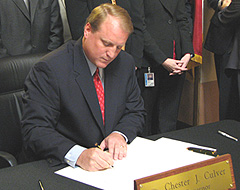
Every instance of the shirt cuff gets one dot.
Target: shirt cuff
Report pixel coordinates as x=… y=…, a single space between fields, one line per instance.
x=126 y=139
x=72 y=155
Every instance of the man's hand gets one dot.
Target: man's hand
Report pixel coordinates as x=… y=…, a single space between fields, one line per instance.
x=94 y=159
x=116 y=145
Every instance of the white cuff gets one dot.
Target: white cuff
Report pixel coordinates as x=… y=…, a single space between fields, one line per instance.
x=72 y=155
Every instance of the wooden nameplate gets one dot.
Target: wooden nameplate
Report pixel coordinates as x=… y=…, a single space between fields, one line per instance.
x=216 y=173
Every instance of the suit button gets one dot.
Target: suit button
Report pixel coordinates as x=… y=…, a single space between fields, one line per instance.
x=169 y=21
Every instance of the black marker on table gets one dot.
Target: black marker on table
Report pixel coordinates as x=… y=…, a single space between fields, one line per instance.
x=203 y=151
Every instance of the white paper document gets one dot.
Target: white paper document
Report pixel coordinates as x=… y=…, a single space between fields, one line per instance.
x=144 y=158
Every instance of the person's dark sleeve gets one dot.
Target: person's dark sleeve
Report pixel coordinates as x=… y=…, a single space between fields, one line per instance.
x=41 y=111
x=152 y=49
x=189 y=11
x=133 y=119
x=56 y=27
x=184 y=28
x=231 y=14
x=213 y=4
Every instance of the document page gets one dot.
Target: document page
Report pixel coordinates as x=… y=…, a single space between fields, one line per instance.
x=145 y=157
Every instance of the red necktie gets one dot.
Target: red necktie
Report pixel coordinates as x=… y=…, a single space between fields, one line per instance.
x=100 y=91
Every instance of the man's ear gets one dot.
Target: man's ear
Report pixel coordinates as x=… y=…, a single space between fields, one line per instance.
x=87 y=29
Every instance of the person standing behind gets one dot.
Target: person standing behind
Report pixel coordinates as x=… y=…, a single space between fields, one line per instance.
x=79 y=10
x=167 y=51
x=28 y=27
x=219 y=40
x=230 y=18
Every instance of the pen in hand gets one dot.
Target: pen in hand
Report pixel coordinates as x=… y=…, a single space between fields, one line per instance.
x=227 y=135
x=40 y=184
x=96 y=144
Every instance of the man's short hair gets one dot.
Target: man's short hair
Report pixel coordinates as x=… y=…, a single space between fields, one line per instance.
x=100 y=13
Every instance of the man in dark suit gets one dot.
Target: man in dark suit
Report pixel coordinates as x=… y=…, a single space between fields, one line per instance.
x=29 y=28
x=230 y=18
x=220 y=40
x=167 y=51
x=62 y=119
x=78 y=10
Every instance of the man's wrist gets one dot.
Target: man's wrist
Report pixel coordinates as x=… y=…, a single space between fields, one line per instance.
x=73 y=154
x=125 y=137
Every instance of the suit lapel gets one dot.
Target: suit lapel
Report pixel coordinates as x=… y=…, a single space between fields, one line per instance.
x=22 y=7
x=85 y=83
x=33 y=7
x=168 y=5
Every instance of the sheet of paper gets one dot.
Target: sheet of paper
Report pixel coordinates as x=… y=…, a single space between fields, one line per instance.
x=145 y=157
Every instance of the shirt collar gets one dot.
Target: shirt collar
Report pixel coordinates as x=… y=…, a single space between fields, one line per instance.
x=93 y=68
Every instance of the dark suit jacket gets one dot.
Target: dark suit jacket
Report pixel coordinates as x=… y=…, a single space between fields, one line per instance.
x=61 y=108
x=219 y=38
x=79 y=10
x=230 y=18
x=21 y=33
x=190 y=6
x=165 y=21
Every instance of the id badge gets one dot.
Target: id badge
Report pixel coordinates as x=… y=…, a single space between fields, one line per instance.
x=149 y=79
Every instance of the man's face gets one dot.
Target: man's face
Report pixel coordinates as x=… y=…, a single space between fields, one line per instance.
x=103 y=46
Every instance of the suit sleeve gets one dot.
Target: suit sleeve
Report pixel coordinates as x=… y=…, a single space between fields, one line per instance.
x=231 y=14
x=213 y=4
x=41 y=111
x=56 y=27
x=151 y=48
x=190 y=13
x=77 y=12
x=184 y=29
x=133 y=119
